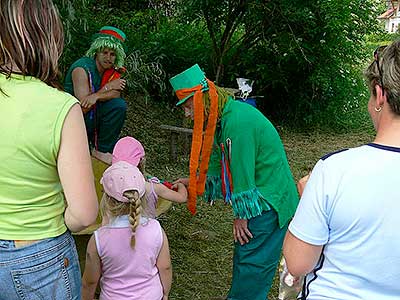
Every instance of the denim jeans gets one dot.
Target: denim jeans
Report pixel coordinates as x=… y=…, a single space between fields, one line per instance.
x=48 y=269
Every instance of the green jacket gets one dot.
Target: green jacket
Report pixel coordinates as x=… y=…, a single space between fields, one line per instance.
x=260 y=171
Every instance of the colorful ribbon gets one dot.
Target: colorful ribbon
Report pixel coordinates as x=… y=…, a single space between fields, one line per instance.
x=201 y=145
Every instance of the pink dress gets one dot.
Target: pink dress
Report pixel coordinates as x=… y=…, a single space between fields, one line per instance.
x=129 y=273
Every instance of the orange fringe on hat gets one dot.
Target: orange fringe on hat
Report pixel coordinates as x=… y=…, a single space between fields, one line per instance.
x=201 y=146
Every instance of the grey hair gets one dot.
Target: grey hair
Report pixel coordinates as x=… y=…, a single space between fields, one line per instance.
x=389 y=64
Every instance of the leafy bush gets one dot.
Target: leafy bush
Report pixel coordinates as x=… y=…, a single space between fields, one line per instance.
x=143 y=77
x=75 y=16
x=310 y=65
x=178 y=45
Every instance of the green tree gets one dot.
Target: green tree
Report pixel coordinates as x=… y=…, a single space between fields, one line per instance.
x=233 y=26
x=304 y=55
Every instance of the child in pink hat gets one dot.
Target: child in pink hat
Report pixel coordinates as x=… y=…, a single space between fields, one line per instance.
x=130 y=150
x=129 y=255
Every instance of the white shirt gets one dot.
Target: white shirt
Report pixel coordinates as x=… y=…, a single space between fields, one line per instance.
x=351 y=204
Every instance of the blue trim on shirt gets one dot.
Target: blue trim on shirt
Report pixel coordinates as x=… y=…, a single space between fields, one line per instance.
x=384 y=147
x=333 y=153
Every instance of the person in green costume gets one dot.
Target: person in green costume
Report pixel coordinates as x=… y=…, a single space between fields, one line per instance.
x=104 y=109
x=237 y=155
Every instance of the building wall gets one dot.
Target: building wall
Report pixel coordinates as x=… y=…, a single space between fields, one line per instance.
x=392 y=24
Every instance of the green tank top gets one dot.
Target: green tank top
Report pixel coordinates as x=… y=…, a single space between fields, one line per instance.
x=31 y=196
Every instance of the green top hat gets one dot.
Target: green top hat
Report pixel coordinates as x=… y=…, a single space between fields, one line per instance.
x=188 y=79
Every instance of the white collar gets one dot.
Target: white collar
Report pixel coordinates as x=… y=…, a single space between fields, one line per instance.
x=123 y=221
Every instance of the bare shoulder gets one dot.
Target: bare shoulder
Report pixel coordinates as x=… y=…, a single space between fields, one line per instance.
x=79 y=73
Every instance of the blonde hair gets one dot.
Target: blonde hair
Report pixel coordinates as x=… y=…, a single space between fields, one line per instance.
x=114 y=208
x=389 y=65
x=31 y=39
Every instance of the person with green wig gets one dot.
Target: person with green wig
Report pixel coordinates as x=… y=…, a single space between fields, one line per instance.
x=238 y=156
x=104 y=109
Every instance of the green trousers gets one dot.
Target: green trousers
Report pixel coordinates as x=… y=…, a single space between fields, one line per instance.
x=104 y=123
x=255 y=263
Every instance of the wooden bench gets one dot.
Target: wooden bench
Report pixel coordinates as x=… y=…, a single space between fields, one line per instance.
x=175 y=133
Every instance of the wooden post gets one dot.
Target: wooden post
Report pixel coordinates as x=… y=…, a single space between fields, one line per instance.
x=175 y=132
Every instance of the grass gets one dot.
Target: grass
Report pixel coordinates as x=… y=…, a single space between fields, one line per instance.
x=201 y=245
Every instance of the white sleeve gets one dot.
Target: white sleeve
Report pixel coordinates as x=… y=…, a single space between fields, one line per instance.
x=310 y=223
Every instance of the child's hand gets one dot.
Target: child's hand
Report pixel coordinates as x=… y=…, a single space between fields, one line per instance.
x=184 y=181
x=180 y=188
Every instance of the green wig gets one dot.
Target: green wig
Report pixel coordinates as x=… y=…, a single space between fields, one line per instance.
x=109 y=37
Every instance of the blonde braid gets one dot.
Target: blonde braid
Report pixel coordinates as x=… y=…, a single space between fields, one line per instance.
x=113 y=208
x=135 y=210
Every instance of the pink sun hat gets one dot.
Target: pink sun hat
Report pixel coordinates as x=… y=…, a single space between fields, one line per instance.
x=122 y=177
x=128 y=149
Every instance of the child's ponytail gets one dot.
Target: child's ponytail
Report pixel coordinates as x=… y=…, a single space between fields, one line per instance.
x=135 y=210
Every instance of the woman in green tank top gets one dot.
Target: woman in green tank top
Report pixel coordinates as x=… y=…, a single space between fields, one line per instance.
x=46 y=181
